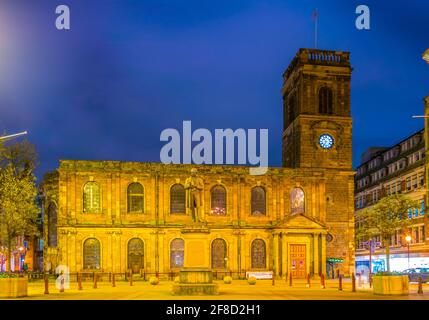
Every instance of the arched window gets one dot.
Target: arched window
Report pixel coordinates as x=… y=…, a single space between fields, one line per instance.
x=292 y=107
x=218 y=254
x=177 y=199
x=135 y=255
x=177 y=253
x=91 y=197
x=218 y=201
x=297 y=201
x=258 y=253
x=258 y=201
x=135 y=195
x=325 y=100
x=91 y=254
x=52 y=225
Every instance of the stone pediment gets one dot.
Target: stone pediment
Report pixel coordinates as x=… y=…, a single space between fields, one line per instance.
x=300 y=221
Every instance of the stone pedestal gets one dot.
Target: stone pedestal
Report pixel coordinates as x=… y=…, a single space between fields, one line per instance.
x=196 y=278
x=195 y=281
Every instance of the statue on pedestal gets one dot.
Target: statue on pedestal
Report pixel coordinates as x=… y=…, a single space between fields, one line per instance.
x=194 y=187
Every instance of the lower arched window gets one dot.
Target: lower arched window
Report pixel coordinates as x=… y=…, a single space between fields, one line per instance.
x=177 y=253
x=91 y=254
x=135 y=255
x=258 y=254
x=218 y=254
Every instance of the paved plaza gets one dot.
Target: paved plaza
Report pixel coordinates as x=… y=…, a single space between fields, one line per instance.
x=238 y=290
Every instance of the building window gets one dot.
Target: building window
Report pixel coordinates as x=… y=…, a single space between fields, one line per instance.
x=325 y=100
x=258 y=254
x=218 y=201
x=218 y=254
x=258 y=201
x=135 y=195
x=135 y=255
x=292 y=107
x=422 y=233
x=297 y=201
x=177 y=199
x=422 y=207
x=408 y=183
x=91 y=254
x=91 y=197
x=52 y=225
x=177 y=253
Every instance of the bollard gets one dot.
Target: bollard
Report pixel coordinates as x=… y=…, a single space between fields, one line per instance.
x=353 y=283
x=46 y=285
x=274 y=281
x=113 y=280
x=340 y=283
x=62 y=283
x=95 y=281
x=79 y=281
x=290 y=280
x=420 y=291
x=322 y=281
x=131 y=278
x=308 y=281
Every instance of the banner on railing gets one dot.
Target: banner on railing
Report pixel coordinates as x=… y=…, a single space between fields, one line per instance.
x=260 y=275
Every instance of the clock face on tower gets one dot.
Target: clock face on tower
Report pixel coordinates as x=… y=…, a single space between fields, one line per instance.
x=326 y=141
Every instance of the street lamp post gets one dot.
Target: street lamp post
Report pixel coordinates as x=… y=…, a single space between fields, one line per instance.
x=11 y=136
x=408 y=239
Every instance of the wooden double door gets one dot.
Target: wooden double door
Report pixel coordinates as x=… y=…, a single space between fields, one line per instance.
x=297 y=258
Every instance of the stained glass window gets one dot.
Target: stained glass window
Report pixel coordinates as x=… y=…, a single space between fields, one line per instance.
x=218 y=201
x=135 y=194
x=135 y=254
x=218 y=254
x=297 y=201
x=91 y=197
x=177 y=199
x=91 y=254
x=177 y=253
x=258 y=254
x=325 y=100
x=258 y=201
x=52 y=225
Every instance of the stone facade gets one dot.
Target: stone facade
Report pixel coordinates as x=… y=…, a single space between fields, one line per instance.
x=299 y=234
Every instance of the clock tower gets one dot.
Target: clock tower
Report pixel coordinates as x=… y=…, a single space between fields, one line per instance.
x=317 y=131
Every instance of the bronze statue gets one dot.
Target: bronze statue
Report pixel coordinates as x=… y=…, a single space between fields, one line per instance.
x=194 y=186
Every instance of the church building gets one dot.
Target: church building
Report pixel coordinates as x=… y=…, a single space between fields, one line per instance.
x=298 y=219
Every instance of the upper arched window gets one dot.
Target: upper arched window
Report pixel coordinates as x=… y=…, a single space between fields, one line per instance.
x=91 y=254
x=258 y=201
x=177 y=253
x=258 y=254
x=135 y=195
x=91 y=197
x=177 y=199
x=52 y=225
x=297 y=201
x=325 y=100
x=218 y=201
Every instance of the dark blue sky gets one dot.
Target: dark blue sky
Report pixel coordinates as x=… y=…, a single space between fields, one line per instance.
x=129 y=69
